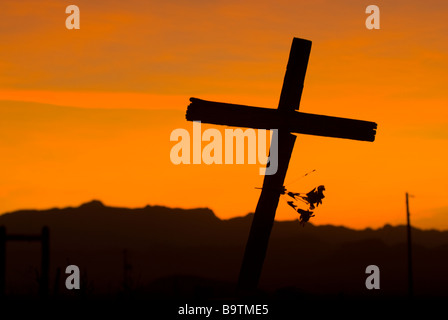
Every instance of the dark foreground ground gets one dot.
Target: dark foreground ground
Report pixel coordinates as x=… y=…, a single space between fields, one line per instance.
x=160 y=260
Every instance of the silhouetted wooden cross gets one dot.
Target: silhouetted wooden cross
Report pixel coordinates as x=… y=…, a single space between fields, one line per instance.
x=287 y=121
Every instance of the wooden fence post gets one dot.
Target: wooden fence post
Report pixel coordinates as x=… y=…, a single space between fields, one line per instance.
x=45 y=269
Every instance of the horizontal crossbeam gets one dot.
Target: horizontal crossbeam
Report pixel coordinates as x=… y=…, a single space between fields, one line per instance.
x=20 y=237
x=264 y=118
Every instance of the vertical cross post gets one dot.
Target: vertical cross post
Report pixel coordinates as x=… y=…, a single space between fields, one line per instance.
x=263 y=219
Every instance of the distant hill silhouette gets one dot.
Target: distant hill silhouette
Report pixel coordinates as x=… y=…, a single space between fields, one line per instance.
x=192 y=253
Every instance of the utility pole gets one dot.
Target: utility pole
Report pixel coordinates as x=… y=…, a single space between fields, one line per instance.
x=410 y=278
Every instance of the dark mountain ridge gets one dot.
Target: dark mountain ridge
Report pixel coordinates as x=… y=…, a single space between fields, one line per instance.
x=194 y=246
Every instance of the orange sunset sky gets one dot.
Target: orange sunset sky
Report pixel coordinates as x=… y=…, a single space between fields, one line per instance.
x=87 y=114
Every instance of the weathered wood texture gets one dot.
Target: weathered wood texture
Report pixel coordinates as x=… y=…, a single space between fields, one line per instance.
x=287 y=120
x=293 y=121
x=257 y=243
